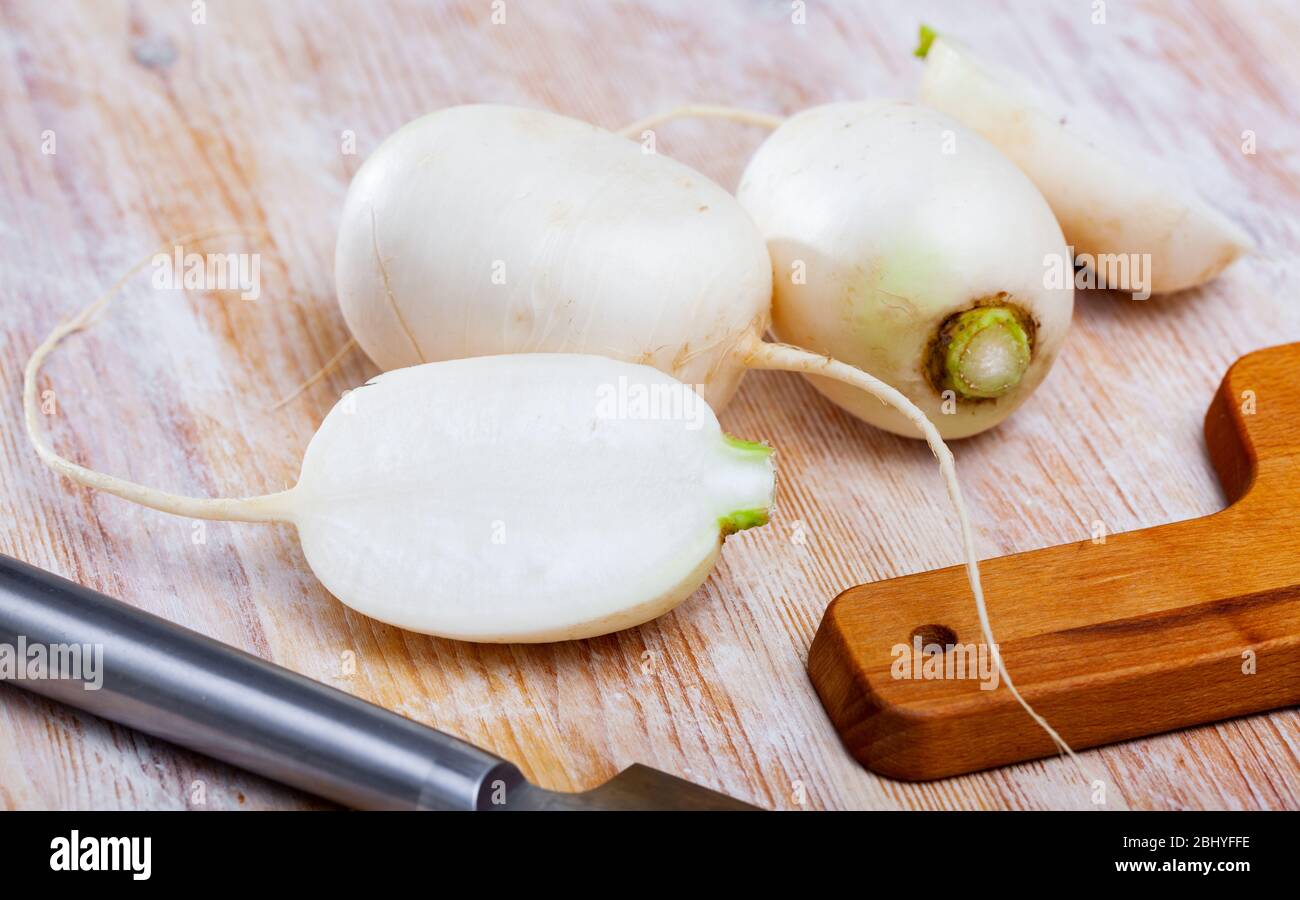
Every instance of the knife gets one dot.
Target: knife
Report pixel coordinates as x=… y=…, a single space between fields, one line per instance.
x=190 y=690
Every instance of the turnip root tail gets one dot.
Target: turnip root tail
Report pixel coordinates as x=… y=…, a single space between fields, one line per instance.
x=702 y=111
x=783 y=357
x=330 y=365
x=265 y=508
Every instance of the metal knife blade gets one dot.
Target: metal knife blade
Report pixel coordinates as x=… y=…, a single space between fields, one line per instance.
x=183 y=687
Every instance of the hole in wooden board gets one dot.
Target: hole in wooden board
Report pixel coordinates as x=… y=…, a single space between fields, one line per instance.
x=942 y=635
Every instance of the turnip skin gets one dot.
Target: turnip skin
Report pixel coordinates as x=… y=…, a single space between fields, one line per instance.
x=572 y=240
x=1108 y=198
x=891 y=237
x=481 y=230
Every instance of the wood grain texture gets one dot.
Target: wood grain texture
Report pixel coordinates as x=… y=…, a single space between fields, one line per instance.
x=163 y=126
x=1103 y=647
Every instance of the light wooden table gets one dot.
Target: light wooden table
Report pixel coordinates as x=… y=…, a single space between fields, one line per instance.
x=161 y=125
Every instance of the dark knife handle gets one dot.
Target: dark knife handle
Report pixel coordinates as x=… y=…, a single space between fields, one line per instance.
x=188 y=689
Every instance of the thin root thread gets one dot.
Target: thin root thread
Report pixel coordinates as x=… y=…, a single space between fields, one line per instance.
x=783 y=357
x=265 y=508
x=702 y=111
x=330 y=365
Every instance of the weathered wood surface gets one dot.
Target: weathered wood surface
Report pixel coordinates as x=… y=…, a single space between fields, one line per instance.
x=162 y=126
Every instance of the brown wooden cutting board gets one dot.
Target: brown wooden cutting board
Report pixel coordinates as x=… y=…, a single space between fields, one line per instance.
x=161 y=125
x=1116 y=637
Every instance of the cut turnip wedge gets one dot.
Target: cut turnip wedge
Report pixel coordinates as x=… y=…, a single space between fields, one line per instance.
x=534 y=497
x=1126 y=217
x=523 y=498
